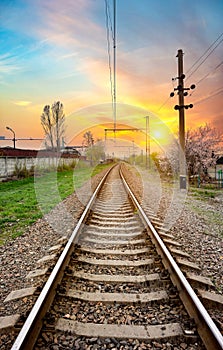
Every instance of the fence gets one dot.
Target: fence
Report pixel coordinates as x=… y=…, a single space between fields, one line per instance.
x=8 y=164
x=214 y=179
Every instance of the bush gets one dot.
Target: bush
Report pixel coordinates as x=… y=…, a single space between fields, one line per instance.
x=64 y=166
x=21 y=171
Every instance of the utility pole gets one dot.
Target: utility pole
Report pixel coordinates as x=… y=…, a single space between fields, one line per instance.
x=133 y=149
x=181 y=94
x=181 y=76
x=147 y=143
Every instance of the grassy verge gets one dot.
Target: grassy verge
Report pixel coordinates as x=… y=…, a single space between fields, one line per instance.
x=21 y=200
x=203 y=193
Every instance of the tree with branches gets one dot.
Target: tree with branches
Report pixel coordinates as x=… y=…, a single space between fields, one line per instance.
x=88 y=139
x=52 y=121
x=95 y=150
x=201 y=148
x=201 y=152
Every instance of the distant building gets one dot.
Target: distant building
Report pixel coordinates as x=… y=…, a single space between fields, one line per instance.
x=15 y=158
x=219 y=163
x=220 y=160
x=71 y=150
x=215 y=172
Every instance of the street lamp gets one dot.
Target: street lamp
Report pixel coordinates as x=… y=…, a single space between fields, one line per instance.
x=8 y=128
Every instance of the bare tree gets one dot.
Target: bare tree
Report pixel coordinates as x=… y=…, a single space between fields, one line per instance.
x=47 y=125
x=88 y=139
x=52 y=121
x=95 y=150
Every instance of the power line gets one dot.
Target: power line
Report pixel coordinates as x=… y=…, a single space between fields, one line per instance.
x=215 y=47
x=206 y=75
x=165 y=102
x=196 y=62
x=107 y=16
x=204 y=53
x=213 y=70
x=212 y=94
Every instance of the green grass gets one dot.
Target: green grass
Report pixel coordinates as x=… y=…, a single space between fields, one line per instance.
x=203 y=193
x=24 y=201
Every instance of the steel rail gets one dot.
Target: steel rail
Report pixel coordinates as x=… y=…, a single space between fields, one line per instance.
x=207 y=329
x=32 y=326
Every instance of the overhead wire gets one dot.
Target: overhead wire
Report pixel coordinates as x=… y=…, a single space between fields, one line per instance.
x=165 y=102
x=215 y=47
x=197 y=61
x=108 y=19
x=212 y=94
x=211 y=71
x=206 y=75
x=194 y=64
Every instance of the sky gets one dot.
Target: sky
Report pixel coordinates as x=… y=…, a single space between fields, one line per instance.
x=53 y=50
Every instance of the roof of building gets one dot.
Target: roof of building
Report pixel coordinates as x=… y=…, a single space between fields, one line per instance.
x=17 y=152
x=220 y=160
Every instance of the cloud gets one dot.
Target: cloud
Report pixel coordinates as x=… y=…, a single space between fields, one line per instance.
x=22 y=103
x=68 y=26
x=8 y=64
x=67 y=56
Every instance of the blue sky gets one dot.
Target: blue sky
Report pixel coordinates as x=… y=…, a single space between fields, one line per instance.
x=57 y=50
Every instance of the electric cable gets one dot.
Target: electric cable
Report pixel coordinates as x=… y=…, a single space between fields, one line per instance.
x=206 y=75
x=107 y=16
x=212 y=94
x=165 y=102
x=213 y=70
x=204 y=53
x=215 y=47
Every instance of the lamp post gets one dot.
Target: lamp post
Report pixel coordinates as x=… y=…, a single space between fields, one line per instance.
x=8 y=128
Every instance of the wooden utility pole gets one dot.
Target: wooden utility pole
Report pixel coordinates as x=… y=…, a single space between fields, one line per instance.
x=182 y=91
x=147 y=143
x=181 y=76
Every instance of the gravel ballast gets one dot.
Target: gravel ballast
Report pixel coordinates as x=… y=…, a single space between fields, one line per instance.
x=196 y=227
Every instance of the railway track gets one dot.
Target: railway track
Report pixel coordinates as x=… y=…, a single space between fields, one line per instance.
x=116 y=286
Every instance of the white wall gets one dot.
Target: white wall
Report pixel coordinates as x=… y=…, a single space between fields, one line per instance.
x=8 y=164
